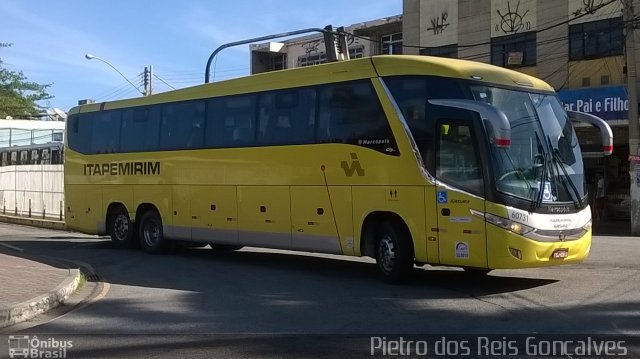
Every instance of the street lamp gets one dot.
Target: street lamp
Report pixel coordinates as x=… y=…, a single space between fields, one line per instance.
x=91 y=57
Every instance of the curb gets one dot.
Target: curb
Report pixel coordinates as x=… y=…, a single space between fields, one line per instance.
x=31 y=308
x=34 y=222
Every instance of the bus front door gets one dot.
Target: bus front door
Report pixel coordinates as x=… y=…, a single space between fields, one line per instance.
x=459 y=192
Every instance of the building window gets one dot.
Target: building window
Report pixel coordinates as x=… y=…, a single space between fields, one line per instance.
x=320 y=57
x=356 y=52
x=450 y=51
x=315 y=59
x=277 y=62
x=596 y=39
x=514 y=50
x=391 y=44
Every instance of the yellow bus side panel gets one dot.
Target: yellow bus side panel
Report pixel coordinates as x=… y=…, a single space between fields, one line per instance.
x=534 y=253
x=405 y=201
x=321 y=219
x=180 y=214
x=433 y=255
x=215 y=209
x=157 y=195
x=264 y=216
x=84 y=208
x=119 y=194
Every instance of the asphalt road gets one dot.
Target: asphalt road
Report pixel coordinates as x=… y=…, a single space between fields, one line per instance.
x=259 y=302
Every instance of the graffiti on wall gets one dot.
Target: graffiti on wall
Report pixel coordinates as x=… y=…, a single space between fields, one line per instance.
x=510 y=17
x=439 y=23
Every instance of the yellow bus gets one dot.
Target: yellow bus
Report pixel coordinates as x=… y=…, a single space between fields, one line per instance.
x=405 y=159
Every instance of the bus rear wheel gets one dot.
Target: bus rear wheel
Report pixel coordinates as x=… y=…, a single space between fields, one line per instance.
x=394 y=254
x=120 y=228
x=151 y=233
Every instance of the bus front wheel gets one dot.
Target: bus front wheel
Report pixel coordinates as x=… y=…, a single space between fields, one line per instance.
x=151 y=233
x=394 y=254
x=120 y=228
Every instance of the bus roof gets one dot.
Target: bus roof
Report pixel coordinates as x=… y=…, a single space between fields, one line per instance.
x=385 y=65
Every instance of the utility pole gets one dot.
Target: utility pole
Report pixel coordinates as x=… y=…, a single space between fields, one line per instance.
x=632 y=92
x=148 y=80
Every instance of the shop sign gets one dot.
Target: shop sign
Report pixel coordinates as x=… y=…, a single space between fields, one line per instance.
x=609 y=103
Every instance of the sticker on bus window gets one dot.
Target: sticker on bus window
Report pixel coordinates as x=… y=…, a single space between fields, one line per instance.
x=442 y=197
x=546 y=192
x=462 y=250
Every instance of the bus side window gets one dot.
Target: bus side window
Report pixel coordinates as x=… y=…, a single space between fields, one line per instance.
x=80 y=132
x=287 y=117
x=106 y=132
x=351 y=113
x=458 y=161
x=231 y=121
x=182 y=125
x=140 y=130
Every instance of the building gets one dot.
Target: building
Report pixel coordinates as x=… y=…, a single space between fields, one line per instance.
x=310 y=50
x=575 y=45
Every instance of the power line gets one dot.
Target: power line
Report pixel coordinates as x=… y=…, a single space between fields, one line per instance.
x=163 y=81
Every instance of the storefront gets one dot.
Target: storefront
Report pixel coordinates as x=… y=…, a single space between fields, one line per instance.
x=610 y=103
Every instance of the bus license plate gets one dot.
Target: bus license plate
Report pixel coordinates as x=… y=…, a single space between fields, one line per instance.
x=560 y=253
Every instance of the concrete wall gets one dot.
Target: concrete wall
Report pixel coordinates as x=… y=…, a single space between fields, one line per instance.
x=36 y=187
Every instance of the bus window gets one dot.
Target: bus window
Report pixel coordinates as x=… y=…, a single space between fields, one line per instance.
x=46 y=159
x=106 y=134
x=231 y=121
x=458 y=162
x=182 y=125
x=351 y=113
x=24 y=158
x=34 y=157
x=140 y=130
x=80 y=132
x=287 y=117
x=411 y=95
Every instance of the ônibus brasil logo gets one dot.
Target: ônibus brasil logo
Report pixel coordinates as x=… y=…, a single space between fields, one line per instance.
x=25 y=346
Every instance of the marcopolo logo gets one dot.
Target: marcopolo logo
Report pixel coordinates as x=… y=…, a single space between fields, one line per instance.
x=25 y=346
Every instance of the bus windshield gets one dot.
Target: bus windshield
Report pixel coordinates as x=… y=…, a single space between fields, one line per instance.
x=544 y=162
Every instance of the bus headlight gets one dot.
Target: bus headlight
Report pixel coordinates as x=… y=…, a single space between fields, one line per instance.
x=515 y=227
x=587 y=226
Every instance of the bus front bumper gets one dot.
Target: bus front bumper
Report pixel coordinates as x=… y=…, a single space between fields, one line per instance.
x=507 y=250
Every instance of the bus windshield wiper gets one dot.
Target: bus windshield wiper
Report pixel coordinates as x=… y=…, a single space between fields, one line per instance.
x=538 y=202
x=577 y=201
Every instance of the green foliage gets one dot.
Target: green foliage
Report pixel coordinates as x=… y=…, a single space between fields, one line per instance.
x=18 y=96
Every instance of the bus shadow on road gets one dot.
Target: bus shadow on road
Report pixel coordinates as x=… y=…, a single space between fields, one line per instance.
x=364 y=271
x=270 y=267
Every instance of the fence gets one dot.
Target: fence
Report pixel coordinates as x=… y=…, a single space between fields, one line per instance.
x=33 y=191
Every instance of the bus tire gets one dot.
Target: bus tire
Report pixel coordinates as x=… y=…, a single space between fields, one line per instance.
x=151 y=233
x=120 y=228
x=394 y=252
x=225 y=247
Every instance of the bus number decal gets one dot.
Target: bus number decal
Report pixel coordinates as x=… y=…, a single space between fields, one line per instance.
x=520 y=217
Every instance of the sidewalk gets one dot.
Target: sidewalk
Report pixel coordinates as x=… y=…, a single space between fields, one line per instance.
x=29 y=287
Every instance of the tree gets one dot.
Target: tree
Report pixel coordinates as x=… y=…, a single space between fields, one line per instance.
x=18 y=97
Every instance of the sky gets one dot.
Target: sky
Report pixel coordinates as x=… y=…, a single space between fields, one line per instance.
x=51 y=38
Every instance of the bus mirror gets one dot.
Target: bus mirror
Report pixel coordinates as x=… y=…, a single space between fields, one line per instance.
x=602 y=125
x=498 y=127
